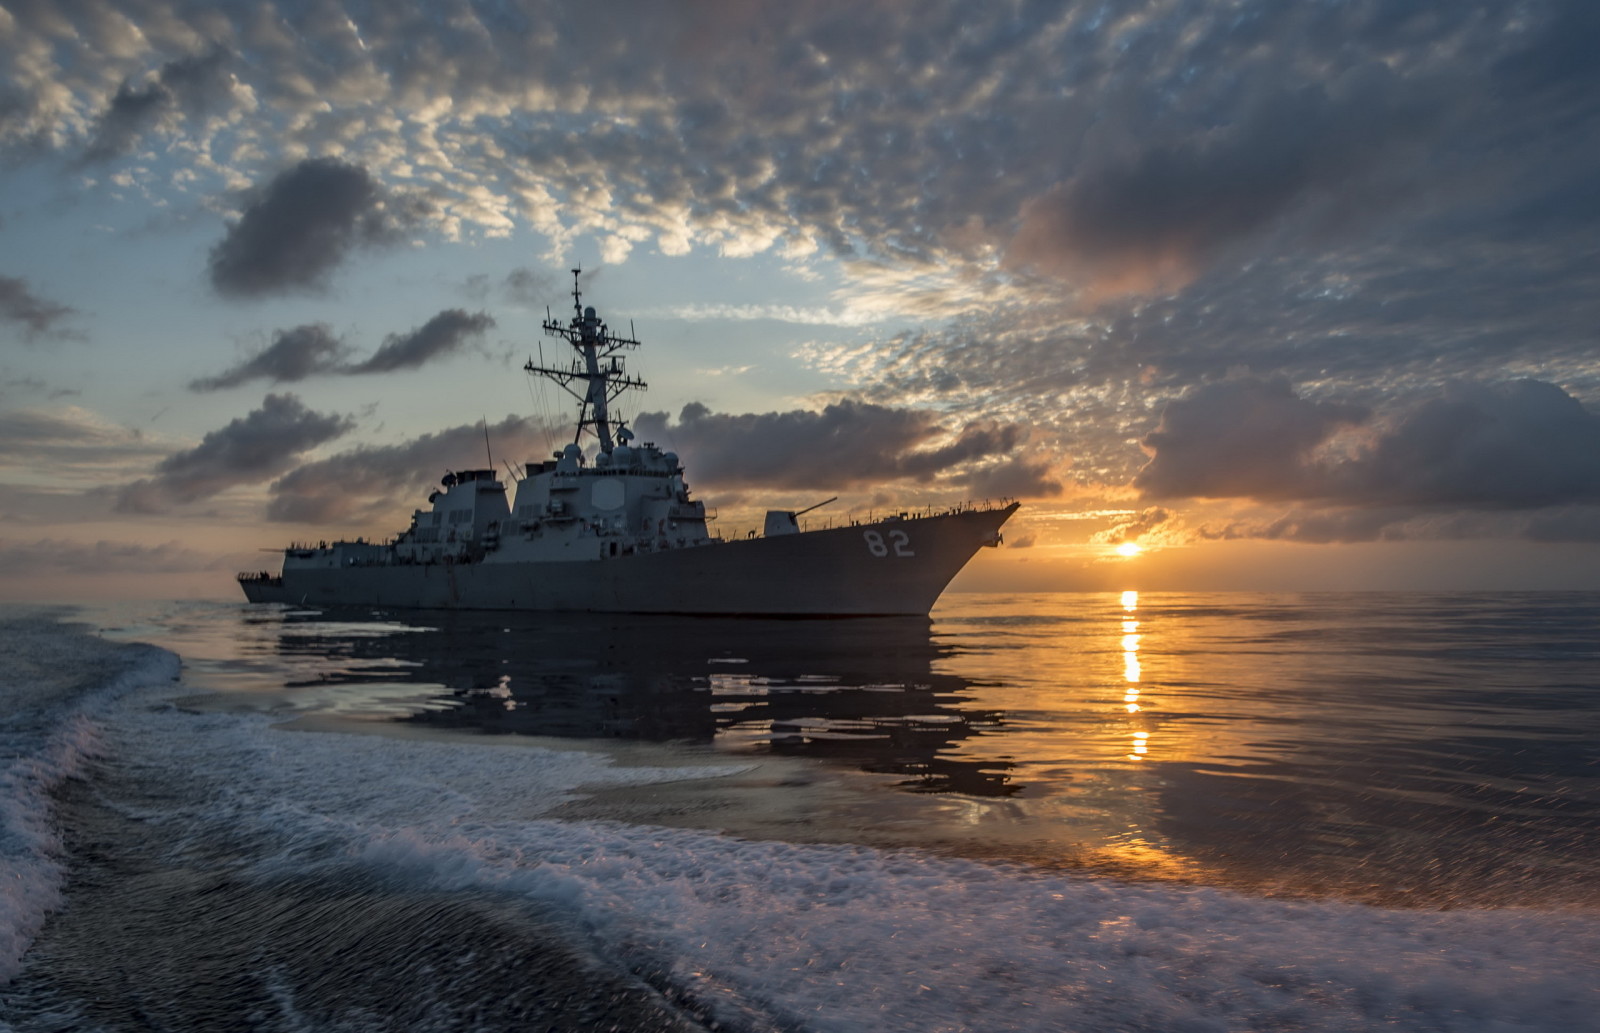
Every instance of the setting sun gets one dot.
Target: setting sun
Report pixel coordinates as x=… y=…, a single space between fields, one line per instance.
x=1129 y=549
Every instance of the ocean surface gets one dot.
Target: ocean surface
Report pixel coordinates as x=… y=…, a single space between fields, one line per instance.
x=1155 y=812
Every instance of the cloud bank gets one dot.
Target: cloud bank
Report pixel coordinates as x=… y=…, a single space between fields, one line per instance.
x=376 y=481
x=248 y=450
x=848 y=444
x=1452 y=464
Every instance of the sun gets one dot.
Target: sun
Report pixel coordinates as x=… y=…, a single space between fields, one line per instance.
x=1129 y=549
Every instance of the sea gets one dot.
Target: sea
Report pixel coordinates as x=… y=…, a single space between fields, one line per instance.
x=1195 y=813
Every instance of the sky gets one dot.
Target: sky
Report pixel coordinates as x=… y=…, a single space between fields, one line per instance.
x=1288 y=296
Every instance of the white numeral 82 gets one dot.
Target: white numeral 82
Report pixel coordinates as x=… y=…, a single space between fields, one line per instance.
x=899 y=543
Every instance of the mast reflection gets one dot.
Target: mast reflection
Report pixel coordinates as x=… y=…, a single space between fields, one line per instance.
x=861 y=692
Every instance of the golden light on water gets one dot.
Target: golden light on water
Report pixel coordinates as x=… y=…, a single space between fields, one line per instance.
x=1130 y=669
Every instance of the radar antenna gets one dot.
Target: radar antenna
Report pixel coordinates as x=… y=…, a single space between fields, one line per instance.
x=597 y=362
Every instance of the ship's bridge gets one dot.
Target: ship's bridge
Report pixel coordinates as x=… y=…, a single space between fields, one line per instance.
x=631 y=493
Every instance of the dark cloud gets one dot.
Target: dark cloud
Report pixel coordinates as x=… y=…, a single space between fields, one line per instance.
x=132 y=112
x=379 y=481
x=311 y=350
x=293 y=355
x=1240 y=438
x=847 y=444
x=1021 y=477
x=531 y=287
x=1153 y=220
x=248 y=450
x=445 y=333
x=1517 y=445
x=302 y=226
x=37 y=316
x=1575 y=523
x=191 y=84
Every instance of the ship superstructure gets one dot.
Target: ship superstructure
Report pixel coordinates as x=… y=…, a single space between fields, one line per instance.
x=621 y=533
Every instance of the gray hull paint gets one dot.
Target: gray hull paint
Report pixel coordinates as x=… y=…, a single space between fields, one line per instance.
x=895 y=567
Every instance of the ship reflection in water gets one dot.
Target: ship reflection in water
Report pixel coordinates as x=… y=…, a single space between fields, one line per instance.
x=1395 y=748
x=861 y=692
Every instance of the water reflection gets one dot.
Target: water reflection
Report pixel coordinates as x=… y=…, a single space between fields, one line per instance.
x=1418 y=748
x=861 y=692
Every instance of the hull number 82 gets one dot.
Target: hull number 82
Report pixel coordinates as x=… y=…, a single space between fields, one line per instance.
x=895 y=543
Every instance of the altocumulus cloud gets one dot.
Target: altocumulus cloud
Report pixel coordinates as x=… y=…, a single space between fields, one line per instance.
x=248 y=450
x=301 y=226
x=188 y=85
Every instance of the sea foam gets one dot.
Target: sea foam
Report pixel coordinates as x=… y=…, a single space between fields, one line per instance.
x=847 y=938
x=55 y=682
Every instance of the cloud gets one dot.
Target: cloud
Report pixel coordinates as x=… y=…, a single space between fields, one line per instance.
x=445 y=333
x=1245 y=437
x=385 y=481
x=190 y=84
x=312 y=349
x=299 y=228
x=1518 y=458
x=1370 y=199
x=1134 y=526
x=530 y=287
x=1516 y=445
x=1574 y=523
x=37 y=316
x=1022 y=477
x=69 y=441
x=248 y=450
x=847 y=444
x=1151 y=220
x=294 y=354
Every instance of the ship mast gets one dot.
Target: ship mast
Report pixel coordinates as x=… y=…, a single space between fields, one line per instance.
x=597 y=363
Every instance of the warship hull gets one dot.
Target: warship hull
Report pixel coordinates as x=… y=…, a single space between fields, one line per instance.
x=886 y=568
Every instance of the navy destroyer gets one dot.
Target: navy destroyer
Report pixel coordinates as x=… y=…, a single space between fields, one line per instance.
x=620 y=533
